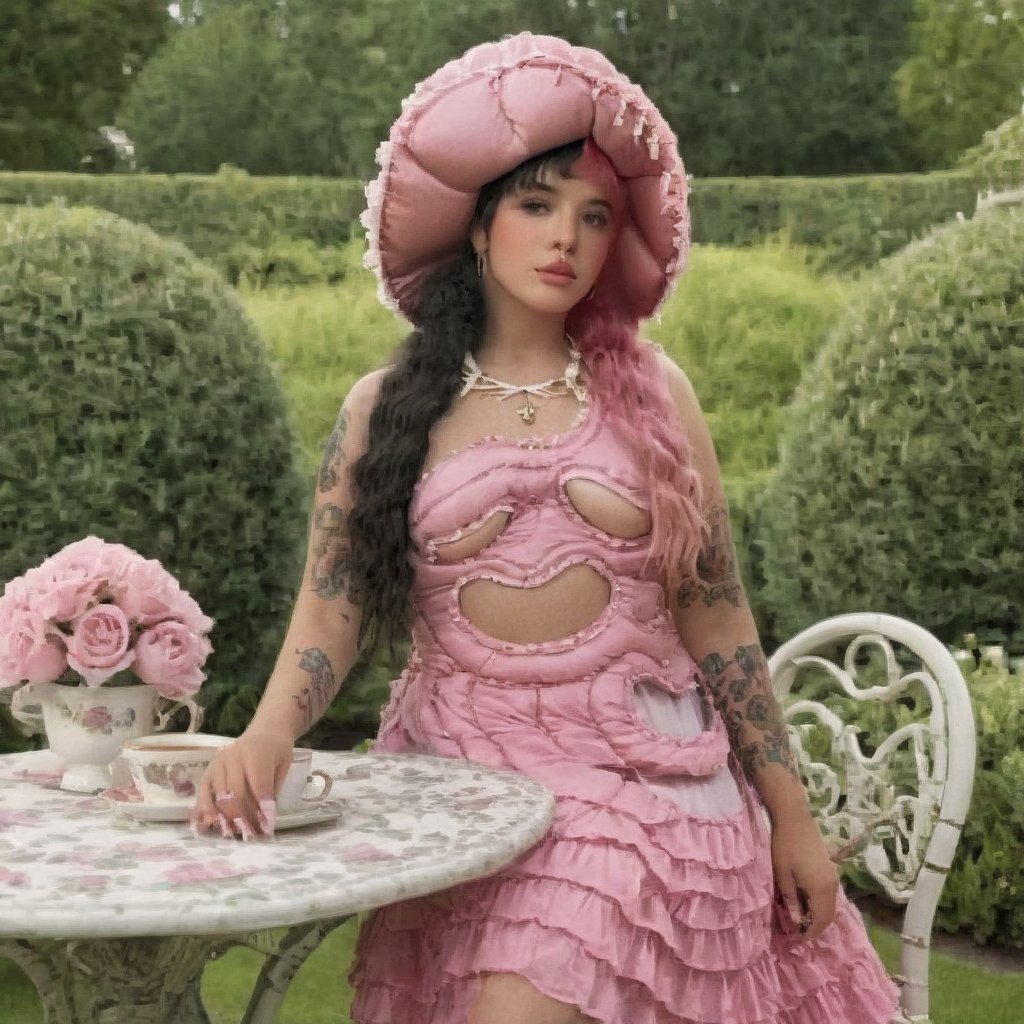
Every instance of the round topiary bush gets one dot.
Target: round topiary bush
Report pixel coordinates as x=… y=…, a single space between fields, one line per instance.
x=998 y=160
x=139 y=404
x=900 y=483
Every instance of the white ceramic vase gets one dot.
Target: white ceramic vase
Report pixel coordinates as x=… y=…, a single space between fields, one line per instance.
x=86 y=726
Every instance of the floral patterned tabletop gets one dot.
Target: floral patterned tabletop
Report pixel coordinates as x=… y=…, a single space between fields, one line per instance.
x=71 y=866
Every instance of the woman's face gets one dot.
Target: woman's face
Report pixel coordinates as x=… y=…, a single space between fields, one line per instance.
x=562 y=223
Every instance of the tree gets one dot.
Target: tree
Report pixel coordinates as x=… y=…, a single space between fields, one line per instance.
x=310 y=86
x=965 y=75
x=774 y=87
x=299 y=86
x=208 y=97
x=64 y=65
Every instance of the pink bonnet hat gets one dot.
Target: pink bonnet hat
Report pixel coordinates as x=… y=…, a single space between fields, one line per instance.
x=481 y=115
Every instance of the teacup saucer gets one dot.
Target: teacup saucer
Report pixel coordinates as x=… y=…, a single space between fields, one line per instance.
x=316 y=814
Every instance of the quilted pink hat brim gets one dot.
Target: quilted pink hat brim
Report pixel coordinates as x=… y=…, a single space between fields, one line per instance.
x=483 y=114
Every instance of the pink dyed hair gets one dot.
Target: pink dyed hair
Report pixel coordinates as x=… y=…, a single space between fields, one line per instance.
x=631 y=387
x=593 y=166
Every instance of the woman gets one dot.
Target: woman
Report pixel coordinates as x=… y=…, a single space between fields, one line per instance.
x=540 y=487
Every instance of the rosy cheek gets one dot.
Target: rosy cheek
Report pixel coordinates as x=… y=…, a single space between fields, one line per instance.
x=511 y=233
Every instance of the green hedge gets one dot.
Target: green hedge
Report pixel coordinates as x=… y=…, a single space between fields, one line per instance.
x=139 y=404
x=228 y=217
x=900 y=484
x=857 y=219
x=997 y=162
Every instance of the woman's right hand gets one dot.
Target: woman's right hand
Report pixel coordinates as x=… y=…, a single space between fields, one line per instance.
x=236 y=795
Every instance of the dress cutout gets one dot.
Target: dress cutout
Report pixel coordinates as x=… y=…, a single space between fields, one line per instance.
x=651 y=899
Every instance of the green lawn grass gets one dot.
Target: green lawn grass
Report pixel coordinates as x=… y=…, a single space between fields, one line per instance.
x=960 y=994
x=319 y=992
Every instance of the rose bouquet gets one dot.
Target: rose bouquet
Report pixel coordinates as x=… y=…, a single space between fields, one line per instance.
x=98 y=614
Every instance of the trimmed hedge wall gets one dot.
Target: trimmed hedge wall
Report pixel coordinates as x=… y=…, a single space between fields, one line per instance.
x=226 y=219
x=856 y=219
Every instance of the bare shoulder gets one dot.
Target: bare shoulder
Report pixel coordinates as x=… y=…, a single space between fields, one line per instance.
x=717 y=560
x=679 y=387
x=359 y=404
x=349 y=437
x=687 y=404
x=363 y=395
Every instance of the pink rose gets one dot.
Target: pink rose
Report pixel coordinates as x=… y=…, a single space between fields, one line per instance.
x=91 y=556
x=68 y=583
x=99 y=646
x=104 y=593
x=28 y=653
x=16 y=593
x=67 y=599
x=150 y=594
x=169 y=657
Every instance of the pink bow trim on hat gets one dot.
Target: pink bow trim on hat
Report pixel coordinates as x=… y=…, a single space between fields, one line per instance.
x=481 y=115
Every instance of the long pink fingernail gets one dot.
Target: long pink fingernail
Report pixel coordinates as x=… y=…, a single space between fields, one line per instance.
x=268 y=816
x=225 y=828
x=243 y=828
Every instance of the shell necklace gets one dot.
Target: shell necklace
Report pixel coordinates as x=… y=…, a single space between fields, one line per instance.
x=474 y=379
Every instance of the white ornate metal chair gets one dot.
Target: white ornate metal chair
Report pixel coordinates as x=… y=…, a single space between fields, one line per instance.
x=898 y=811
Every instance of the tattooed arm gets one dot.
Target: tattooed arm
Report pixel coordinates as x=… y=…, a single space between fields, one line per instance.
x=717 y=628
x=237 y=792
x=321 y=643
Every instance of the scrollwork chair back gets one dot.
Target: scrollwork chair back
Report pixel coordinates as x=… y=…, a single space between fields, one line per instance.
x=888 y=766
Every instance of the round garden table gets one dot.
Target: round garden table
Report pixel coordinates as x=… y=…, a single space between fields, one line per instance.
x=114 y=919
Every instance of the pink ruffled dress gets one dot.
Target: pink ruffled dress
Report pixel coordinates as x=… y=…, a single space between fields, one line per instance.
x=651 y=899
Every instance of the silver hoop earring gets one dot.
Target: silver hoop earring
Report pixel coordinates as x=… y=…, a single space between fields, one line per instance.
x=590 y=294
x=481 y=264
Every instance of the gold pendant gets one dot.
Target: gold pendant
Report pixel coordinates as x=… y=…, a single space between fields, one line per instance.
x=528 y=413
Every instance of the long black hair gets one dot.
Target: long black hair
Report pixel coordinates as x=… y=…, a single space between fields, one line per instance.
x=424 y=378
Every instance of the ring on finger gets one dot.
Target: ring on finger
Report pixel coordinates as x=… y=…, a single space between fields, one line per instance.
x=224 y=796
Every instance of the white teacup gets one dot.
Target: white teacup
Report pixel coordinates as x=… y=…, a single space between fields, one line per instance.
x=166 y=767
x=299 y=789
